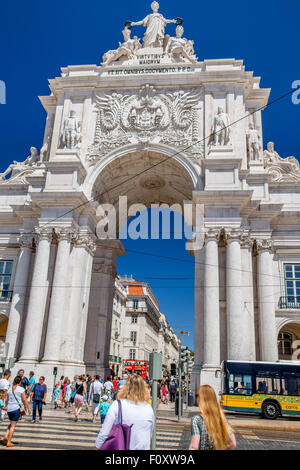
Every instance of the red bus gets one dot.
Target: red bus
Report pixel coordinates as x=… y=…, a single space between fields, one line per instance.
x=134 y=366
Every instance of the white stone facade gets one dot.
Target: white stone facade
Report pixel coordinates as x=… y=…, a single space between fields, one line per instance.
x=192 y=129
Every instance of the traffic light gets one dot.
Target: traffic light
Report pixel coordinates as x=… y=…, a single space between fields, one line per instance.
x=3 y=351
x=54 y=370
x=183 y=354
x=173 y=369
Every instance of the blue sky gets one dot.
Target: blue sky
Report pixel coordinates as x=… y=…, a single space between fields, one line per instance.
x=38 y=37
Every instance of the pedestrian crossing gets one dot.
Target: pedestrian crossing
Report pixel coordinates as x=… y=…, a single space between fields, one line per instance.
x=61 y=432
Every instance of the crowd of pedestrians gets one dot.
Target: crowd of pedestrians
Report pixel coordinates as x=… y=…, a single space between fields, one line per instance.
x=115 y=401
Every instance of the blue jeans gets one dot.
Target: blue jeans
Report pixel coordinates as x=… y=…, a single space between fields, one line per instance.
x=37 y=404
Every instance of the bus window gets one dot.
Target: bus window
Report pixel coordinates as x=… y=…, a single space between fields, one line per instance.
x=240 y=384
x=270 y=386
x=292 y=384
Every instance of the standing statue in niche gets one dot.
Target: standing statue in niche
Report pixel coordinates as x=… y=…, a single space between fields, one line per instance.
x=155 y=24
x=181 y=47
x=221 y=130
x=253 y=144
x=127 y=50
x=71 y=131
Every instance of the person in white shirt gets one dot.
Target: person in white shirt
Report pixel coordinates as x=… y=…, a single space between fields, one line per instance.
x=14 y=398
x=96 y=392
x=108 y=387
x=4 y=386
x=136 y=412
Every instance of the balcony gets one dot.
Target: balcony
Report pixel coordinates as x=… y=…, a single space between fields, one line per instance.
x=6 y=295
x=289 y=302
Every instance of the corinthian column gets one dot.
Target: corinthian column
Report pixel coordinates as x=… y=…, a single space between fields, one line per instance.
x=19 y=295
x=57 y=312
x=37 y=300
x=211 y=300
x=236 y=315
x=267 y=324
x=74 y=334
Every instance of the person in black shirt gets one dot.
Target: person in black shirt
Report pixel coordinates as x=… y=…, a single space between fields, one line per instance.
x=24 y=380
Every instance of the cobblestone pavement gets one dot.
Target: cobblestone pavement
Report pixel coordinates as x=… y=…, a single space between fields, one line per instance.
x=59 y=431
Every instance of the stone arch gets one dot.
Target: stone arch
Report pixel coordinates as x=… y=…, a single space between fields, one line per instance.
x=193 y=170
x=290 y=327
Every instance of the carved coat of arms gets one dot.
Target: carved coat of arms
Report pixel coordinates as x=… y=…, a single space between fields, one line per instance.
x=147 y=116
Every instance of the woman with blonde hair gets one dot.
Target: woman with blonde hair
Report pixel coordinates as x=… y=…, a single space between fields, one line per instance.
x=136 y=412
x=210 y=430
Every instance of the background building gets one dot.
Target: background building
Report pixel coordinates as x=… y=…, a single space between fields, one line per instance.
x=138 y=327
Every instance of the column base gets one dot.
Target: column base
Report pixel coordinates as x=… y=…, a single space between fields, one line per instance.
x=211 y=375
x=46 y=368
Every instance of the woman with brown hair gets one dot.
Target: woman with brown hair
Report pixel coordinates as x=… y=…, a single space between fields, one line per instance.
x=210 y=430
x=136 y=412
x=80 y=391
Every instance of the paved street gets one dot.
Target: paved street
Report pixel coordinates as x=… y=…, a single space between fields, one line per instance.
x=58 y=431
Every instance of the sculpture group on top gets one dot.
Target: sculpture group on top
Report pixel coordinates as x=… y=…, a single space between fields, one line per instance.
x=176 y=48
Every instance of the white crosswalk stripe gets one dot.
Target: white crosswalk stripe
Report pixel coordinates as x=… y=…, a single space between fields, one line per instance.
x=61 y=432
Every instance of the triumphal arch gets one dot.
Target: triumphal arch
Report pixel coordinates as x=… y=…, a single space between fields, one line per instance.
x=156 y=124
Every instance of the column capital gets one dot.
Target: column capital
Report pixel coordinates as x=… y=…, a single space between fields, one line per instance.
x=25 y=241
x=264 y=245
x=212 y=234
x=235 y=234
x=85 y=240
x=44 y=233
x=64 y=233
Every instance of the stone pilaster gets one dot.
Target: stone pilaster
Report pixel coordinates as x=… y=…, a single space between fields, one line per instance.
x=236 y=323
x=265 y=281
x=19 y=294
x=211 y=300
x=74 y=334
x=37 y=300
x=56 y=318
x=248 y=296
x=198 y=319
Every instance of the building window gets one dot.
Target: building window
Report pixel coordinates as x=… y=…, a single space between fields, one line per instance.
x=132 y=353
x=285 y=342
x=135 y=304
x=292 y=282
x=133 y=336
x=134 y=318
x=5 y=280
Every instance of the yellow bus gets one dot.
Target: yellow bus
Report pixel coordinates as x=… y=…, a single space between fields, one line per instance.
x=271 y=389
